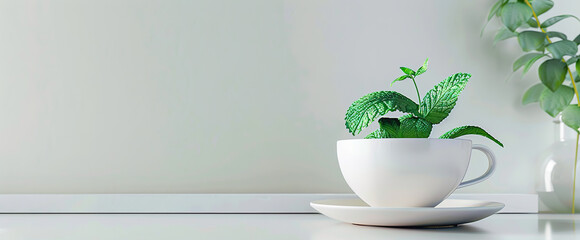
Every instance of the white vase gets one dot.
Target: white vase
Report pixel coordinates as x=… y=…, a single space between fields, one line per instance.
x=555 y=172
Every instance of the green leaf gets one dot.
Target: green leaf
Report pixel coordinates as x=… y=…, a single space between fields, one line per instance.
x=495 y=9
x=389 y=128
x=401 y=118
x=577 y=39
x=420 y=71
x=408 y=71
x=554 y=102
x=571 y=116
x=576 y=76
x=423 y=68
x=368 y=108
x=415 y=127
x=407 y=126
x=468 y=130
x=532 y=95
x=562 y=48
x=525 y=59
x=578 y=67
x=553 y=20
x=572 y=60
x=531 y=40
x=529 y=64
x=514 y=14
x=532 y=22
x=557 y=34
x=439 y=101
x=503 y=34
x=541 y=6
x=401 y=78
x=379 y=133
x=552 y=73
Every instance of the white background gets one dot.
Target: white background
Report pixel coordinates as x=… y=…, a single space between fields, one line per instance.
x=122 y=96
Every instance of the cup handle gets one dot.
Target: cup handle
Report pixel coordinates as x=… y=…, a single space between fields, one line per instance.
x=490 y=169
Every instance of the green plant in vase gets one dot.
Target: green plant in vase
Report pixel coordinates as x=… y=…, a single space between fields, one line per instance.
x=557 y=53
x=418 y=123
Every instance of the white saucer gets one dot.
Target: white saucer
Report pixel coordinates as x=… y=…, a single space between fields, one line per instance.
x=449 y=212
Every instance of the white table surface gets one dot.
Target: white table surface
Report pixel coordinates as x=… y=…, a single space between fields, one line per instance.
x=271 y=227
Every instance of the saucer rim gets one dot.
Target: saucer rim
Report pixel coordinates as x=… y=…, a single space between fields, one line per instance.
x=409 y=216
x=488 y=205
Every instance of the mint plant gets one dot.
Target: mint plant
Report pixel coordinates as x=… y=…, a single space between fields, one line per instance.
x=420 y=118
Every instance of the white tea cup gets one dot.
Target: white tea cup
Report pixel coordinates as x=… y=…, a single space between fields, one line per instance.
x=407 y=172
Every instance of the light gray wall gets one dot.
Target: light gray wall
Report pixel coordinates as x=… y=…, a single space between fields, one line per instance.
x=127 y=96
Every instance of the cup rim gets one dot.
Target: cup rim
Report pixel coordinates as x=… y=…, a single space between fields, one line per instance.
x=404 y=139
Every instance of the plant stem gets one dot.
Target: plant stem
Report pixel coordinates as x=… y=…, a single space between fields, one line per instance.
x=577 y=97
x=550 y=41
x=416 y=89
x=574 y=183
x=537 y=20
x=574 y=85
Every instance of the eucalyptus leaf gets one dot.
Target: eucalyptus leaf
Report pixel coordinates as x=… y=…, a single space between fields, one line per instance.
x=439 y=101
x=562 y=48
x=371 y=106
x=576 y=77
x=469 y=130
x=571 y=117
x=408 y=71
x=526 y=25
x=578 y=67
x=415 y=127
x=514 y=14
x=557 y=34
x=532 y=95
x=496 y=8
x=493 y=12
x=541 y=6
x=532 y=22
x=503 y=34
x=523 y=60
x=531 y=40
x=553 y=20
x=552 y=73
x=530 y=63
x=554 y=102
x=572 y=60
x=577 y=39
